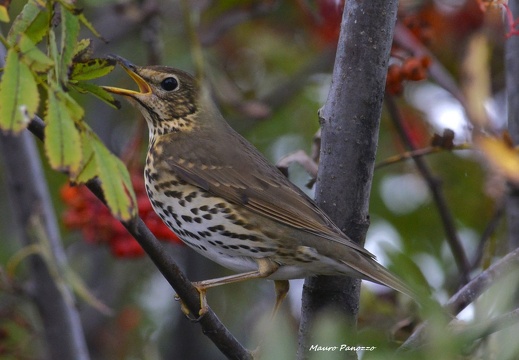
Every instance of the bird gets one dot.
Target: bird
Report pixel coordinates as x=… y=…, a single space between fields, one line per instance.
x=226 y=201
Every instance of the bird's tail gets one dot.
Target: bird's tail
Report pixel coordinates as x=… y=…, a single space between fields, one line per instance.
x=372 y=271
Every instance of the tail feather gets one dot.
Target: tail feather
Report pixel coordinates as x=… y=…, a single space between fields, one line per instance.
x=374 y=272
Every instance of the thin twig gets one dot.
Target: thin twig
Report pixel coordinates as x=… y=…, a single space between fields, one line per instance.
x=435 y=187
x=490 y=229
x=211 y=325
x=419 y=152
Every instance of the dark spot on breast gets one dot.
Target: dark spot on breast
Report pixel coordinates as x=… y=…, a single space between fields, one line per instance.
x=187 y=218
x=216 y=228
x=173 y=193
x=191 y=196
x=230 y=217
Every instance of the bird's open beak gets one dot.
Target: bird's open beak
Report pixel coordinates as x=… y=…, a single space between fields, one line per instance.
x=131 y=69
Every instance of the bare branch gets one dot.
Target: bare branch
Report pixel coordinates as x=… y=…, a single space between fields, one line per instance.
x=435 y=187
x=469 y=293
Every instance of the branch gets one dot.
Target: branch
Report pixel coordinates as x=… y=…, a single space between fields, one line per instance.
x=438 y=196
x=350 y=123
x=468 y=294
x=33 y=211
x=211 y=325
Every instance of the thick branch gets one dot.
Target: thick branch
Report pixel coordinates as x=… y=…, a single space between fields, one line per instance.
x=33 y=211
x=350 y=123
x=469 y=293
x=211 y=325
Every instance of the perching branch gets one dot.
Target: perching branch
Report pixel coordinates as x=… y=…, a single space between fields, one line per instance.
x=211 y=325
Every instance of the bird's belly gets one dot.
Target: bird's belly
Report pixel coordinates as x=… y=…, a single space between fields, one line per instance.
x=207 y=224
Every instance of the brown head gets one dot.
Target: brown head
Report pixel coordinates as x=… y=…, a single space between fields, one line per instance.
x=168 y=98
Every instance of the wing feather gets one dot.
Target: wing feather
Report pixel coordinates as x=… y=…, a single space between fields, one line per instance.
x=246 y=178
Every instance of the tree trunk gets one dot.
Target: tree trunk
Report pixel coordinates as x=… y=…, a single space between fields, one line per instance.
x=350 y=123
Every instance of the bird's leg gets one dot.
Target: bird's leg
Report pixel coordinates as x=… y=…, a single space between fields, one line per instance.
x=266 y=267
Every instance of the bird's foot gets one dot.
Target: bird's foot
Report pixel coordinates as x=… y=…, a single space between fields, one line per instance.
x=203 y=305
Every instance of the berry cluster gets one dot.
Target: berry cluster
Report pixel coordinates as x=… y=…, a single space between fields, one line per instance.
x=88 y=214
x=412 y=68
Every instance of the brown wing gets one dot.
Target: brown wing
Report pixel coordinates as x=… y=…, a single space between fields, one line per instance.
x=238 y=173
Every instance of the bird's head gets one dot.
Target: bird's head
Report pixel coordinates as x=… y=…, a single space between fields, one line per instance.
x=168 y=98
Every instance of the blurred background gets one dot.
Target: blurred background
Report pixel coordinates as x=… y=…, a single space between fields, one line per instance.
x=269 y=66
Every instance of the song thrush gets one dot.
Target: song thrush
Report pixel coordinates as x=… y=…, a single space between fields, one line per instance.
x=226 y=201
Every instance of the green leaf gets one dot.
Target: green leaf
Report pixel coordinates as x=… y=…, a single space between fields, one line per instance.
x=32 y=56
x=69 y=34
x=92 y=69
x=90 y=27
x=83 y=50
x=33 y=21
x=62 y=139
x=75 y=110
x=53 y=52
x=84 y=87
x=70 y=6
x=19 y=97
x=115 y=182
x=89 y=166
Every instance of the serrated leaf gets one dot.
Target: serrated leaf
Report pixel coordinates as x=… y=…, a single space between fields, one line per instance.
x=83 y=50
x=99 y=92
x=62 y=140
x=90 y=27
x=69 y=34
x=75 y=110
x=115 y=182
x=53 y=52
x=32 y=56
x=92 y=69
x=32 y=21
x=70 y=6
x=19 y=97
x=89 y=165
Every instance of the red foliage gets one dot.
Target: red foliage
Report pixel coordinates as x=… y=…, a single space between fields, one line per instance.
x=412 y=69
x=88 y=214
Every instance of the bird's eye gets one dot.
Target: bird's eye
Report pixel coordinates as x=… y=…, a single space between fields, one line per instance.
x=169 y=84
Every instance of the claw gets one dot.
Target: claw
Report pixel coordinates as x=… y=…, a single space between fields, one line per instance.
x=203 y=305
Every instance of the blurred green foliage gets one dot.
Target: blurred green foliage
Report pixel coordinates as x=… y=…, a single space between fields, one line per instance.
x=245 y=63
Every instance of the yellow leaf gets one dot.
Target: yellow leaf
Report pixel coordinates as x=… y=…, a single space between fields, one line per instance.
x=501 y=156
